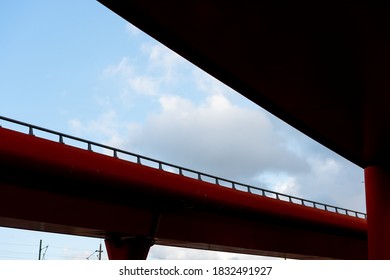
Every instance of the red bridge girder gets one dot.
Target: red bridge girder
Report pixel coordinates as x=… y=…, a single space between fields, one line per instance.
x=49 y=186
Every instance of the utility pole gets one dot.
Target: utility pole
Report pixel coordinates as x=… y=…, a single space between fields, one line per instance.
x=100 y=251
x=41 y=249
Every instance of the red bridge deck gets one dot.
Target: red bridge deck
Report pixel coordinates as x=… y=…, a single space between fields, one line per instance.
x=50 y=186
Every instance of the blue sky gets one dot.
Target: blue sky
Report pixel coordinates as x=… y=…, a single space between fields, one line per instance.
x=76 y=67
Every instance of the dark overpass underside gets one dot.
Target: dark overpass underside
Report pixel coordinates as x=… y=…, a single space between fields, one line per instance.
x=321 y=66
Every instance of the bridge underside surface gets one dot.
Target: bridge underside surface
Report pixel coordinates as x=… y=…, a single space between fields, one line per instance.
x=321 y=66
x=50 y=186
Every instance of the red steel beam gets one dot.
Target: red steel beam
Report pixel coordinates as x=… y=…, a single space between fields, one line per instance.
x=45 y=185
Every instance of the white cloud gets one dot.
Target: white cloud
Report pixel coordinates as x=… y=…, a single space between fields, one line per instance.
x=164 y=60
x=144 y=85
x=208 y=84
x=122 y=69
x=161 y=72
x=327 y=166
x=333 y=180
x=106 y=129
x=216 y=136
x=280 y=182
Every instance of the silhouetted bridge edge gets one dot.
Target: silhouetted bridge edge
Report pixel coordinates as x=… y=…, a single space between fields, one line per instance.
x=132 y=204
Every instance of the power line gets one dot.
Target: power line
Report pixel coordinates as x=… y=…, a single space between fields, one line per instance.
x=17 y=244
x=16 y=252
x=9 y=253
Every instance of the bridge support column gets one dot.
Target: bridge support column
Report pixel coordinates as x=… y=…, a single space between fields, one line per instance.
x=377 y=182
x=136 y=248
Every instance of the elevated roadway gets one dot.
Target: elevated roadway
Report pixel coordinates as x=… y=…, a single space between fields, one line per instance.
x=134 y=202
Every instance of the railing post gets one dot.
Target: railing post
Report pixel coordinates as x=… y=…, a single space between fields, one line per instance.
x=30 y=130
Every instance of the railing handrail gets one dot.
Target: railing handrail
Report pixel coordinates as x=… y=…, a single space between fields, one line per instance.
x=199 y=175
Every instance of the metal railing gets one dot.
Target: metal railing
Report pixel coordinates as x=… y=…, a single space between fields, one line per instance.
x=143 y=160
